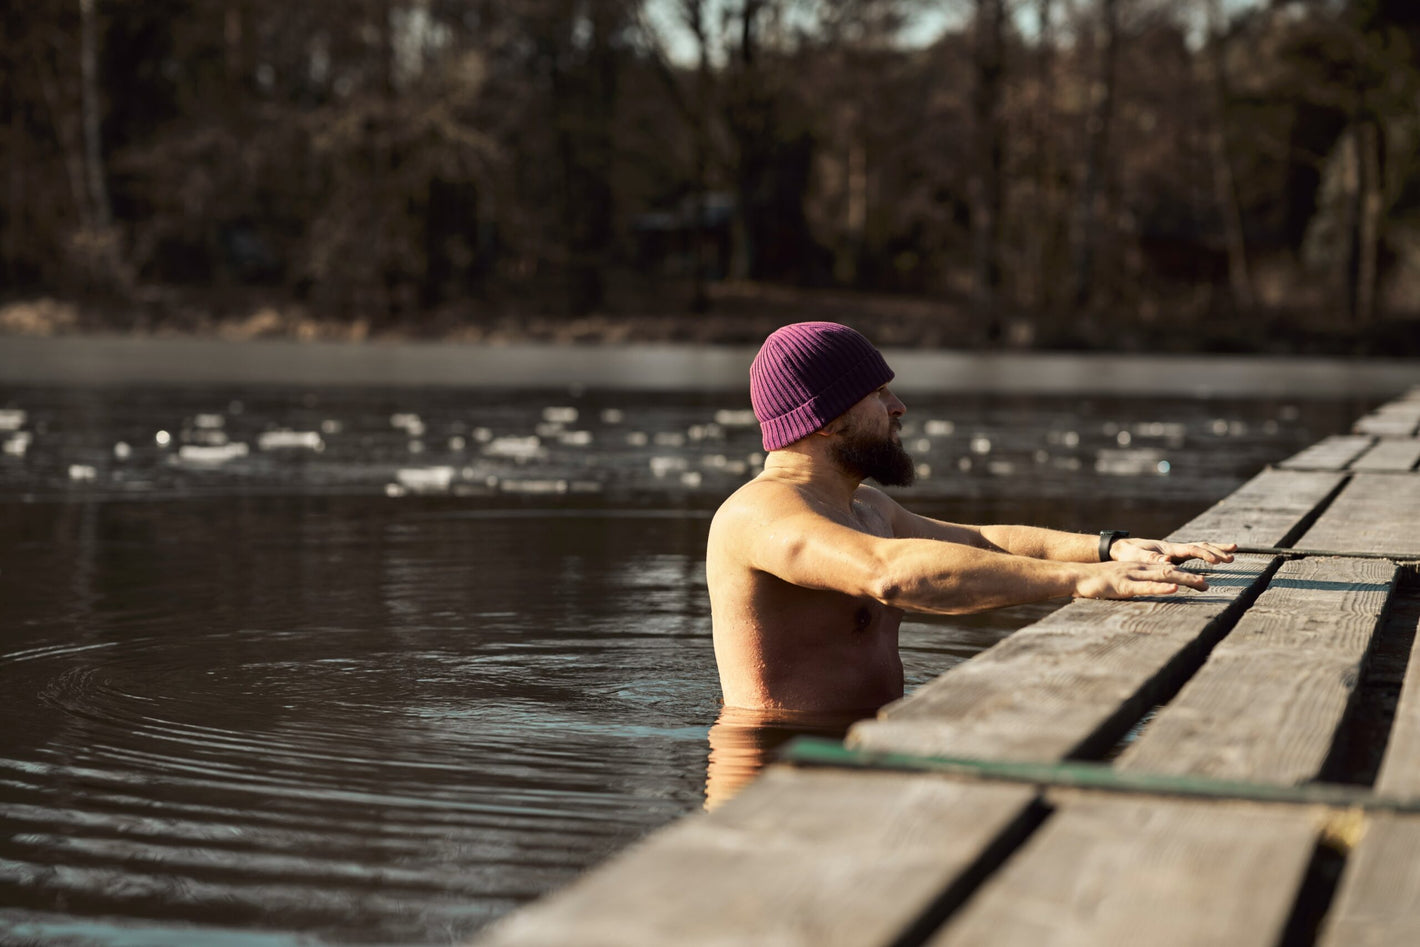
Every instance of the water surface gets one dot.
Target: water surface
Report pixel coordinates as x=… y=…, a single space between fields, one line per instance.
x=360 y=665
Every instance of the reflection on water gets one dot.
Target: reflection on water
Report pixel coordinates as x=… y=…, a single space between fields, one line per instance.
x=348 y=666
x=744 y=741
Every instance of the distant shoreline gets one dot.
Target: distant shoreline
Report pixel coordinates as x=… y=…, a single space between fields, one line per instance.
x=110 y=360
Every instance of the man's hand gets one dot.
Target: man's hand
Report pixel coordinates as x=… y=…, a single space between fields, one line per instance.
x=1156 y=550
x=1131 y=579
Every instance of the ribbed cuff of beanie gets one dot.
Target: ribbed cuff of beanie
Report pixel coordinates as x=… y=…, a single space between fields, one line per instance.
x=870 y=373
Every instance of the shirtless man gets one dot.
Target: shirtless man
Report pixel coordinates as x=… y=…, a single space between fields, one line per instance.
x=810 y=571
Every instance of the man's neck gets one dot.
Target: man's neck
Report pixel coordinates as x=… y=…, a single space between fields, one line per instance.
x=815 y=471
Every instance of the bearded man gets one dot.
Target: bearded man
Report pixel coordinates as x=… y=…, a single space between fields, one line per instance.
x=810 y=570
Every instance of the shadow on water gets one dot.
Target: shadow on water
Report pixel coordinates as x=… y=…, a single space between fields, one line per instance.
x=365 y=666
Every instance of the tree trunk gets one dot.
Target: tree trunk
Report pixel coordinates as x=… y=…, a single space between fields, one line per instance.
x=1368 y=236
x=100 y=208
x=1040 y=225
x=988 y=156
x=1086 y=226
x=1224 y=183
x=693 y=12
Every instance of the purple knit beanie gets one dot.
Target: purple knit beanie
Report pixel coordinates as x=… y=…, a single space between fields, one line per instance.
x=809 y=373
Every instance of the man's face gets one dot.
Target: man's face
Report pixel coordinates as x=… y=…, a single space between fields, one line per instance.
x=868 y=446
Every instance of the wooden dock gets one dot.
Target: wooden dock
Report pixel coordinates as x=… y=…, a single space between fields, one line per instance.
x=1183 y=771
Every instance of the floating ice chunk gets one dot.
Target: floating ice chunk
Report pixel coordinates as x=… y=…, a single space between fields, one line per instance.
x=535 y=487
x=211 y=453
x=12 y=419
x=425 y=479
x=212 y=437
x=728 y=418
x=518 y=448
x=560 y=415
x=411 y=423
x=661 y=466
x=705 y=432
x=937 y=428
x=82 y=472
x=121 y=451
x=209 y=421
x=613 y=416
x=282 y=440
x=575 y=438
x=1127 y=463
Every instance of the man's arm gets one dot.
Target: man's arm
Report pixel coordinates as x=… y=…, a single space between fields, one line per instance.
x=781 y=534
x=1037 y=543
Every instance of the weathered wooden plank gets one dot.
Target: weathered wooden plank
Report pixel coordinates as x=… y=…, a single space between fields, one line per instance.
x=801 y=857
x=1267 y=704
x=1068 y=684
x=1373 y=512
x=1332 y=453
x=1400 y=767
x=1101 y=873
x=1390 y=454
x=1268 y=510
x=1387 y=425
x=1378 y=899
x=1377 y=902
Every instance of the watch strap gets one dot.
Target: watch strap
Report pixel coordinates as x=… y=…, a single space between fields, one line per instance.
x=1107 y=538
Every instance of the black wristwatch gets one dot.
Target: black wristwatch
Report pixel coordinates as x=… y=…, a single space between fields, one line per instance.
x=1107 y=539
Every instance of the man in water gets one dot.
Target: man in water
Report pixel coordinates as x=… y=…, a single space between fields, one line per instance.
x=810 y=570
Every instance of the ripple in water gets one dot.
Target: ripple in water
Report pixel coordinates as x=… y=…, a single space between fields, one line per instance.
x=266 y=764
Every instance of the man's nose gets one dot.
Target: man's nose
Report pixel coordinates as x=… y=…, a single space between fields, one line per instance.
x=896 y=408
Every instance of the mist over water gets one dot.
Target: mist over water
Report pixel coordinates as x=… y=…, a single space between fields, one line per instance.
x=376 y=665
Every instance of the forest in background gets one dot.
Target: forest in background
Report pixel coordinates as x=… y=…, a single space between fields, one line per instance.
x=1169 y=174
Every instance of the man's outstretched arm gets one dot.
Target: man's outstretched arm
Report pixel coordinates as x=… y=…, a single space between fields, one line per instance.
x=1057 y=545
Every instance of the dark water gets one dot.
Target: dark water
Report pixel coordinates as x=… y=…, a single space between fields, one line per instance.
x=405 y=660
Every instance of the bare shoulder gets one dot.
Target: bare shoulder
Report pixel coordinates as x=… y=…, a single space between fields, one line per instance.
x=758 y=503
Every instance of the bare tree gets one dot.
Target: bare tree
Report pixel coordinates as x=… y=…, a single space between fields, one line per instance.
x=988 y=166
x=1097 y=137
x=1224 y=184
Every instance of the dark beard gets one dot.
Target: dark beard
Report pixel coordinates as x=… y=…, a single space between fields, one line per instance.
x=883 y=460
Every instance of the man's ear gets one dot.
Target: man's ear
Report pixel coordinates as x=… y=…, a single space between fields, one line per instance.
x=831 y=428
